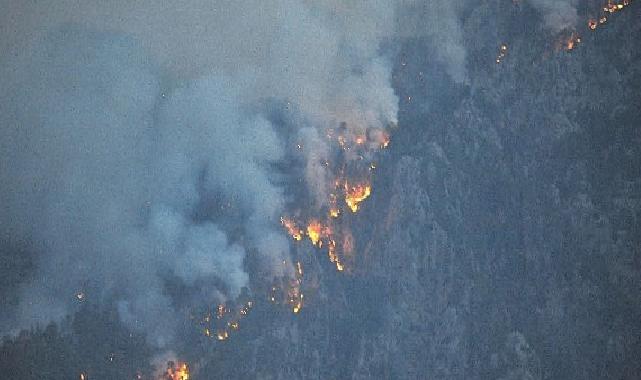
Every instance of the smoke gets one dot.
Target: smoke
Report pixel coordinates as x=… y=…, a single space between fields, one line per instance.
x=441 y=24
x=139 y=148
x=108 y=181
x=558 y=15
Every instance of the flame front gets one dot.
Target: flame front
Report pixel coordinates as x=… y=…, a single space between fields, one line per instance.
x=355 y=194
x=178 y=371
x=609 y=8
x=314 y=232
x=227 y=320
x=291 y=227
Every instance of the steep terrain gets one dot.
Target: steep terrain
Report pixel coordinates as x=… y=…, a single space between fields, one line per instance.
x=502 y=239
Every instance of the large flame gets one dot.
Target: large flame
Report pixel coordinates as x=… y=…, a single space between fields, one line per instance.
x=350 y=174
x=356 y=193
x=314 y=230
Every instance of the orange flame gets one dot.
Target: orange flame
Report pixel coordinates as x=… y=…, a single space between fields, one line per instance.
x=314 y=231
x=355 y=194
x=293 y=230
x=331 y=252
x=609 y=8
x=177 y=372
x=572 y=41
x=222 y=335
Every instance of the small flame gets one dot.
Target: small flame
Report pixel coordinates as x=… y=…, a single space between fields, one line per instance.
x=222 y=335
x=502 y=53
x=572 y=41
x=295 y=298
x=333 y=258
x=609 y=8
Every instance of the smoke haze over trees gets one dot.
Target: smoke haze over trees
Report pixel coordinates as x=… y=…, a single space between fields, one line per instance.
x=148 y=153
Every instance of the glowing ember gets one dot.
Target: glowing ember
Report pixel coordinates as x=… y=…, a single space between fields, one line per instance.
x=502 y=53
x=355 y=194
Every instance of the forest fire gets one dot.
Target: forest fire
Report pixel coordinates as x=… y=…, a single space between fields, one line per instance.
x=295 y=299
x=344 y=192
x=502 y=53
x=333 y=258
x=176 y=371
x=293 y=230
x=314 y=232
x=572 y=41
x=225 y=321
x=288 y=292
x=610 y=8
x=355 y=194
x=222 y=335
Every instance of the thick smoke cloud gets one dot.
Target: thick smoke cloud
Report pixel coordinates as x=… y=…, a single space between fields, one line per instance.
x=137 y=146
x=104 y=179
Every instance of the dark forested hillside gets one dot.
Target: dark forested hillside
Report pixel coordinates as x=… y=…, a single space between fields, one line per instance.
x=502 y=239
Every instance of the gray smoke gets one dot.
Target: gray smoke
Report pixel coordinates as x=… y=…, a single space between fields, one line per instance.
x=441 y=23
x=558 y=15
x=104 y=178
x=137 y=147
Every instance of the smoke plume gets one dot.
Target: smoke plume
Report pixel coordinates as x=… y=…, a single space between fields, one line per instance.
x=558 y=15
x=139 y=144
